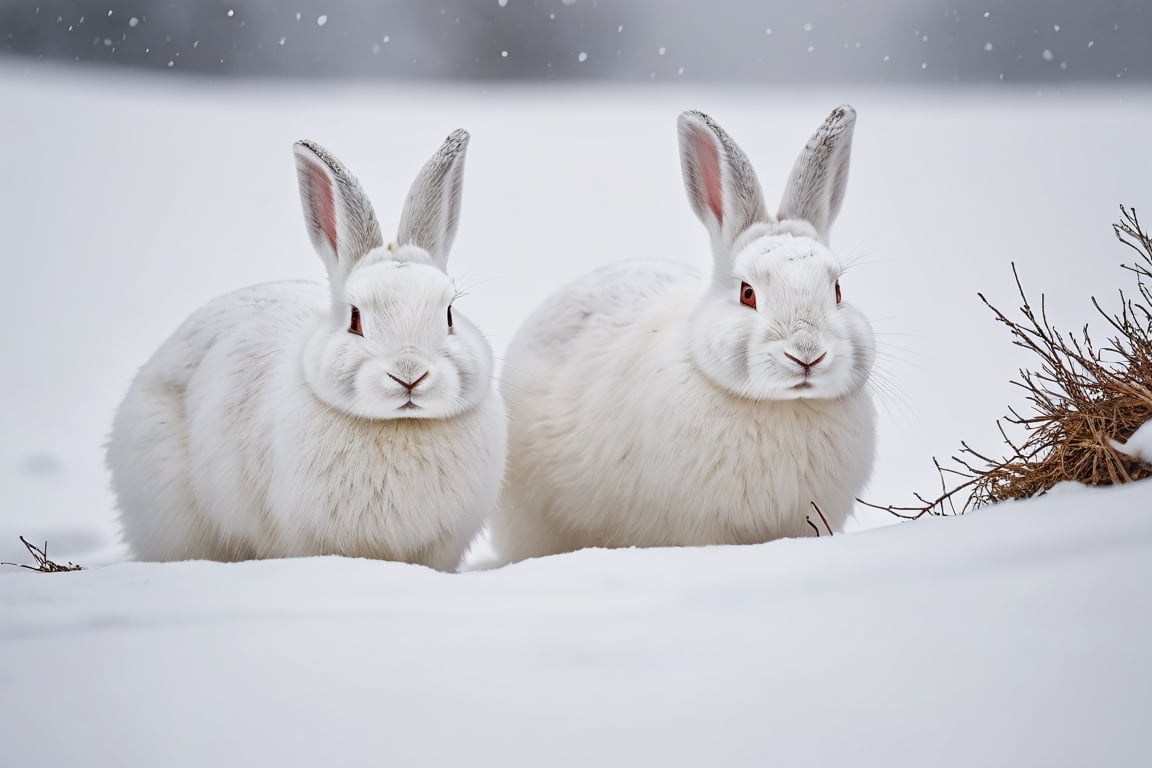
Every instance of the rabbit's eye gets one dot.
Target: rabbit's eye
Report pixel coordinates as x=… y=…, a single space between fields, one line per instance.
x=354 y=326
x=449 y=317
x=837 y=291
x=747 y=295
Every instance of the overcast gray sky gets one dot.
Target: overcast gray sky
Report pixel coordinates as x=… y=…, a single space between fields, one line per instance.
x=898 y=41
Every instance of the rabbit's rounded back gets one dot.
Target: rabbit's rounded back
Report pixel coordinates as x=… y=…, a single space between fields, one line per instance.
x=647 y=407
x=290 y=419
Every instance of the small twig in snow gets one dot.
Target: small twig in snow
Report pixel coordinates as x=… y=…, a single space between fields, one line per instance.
x=822 y=519
x=43 y=564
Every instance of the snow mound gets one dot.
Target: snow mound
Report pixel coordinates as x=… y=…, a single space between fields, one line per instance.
x=1139 y=445
x=1009 y=636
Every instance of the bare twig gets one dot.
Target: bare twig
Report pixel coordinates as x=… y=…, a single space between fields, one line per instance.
x=43 y=564
x=822 y=518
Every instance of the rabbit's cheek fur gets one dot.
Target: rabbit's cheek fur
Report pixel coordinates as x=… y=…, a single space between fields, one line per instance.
x=335 y=370
x=720 y=338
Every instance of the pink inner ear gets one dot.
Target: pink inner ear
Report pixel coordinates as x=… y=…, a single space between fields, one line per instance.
x=709 y=159
x=323 y=203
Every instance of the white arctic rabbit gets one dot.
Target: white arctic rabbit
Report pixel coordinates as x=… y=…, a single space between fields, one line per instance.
x=648 y=407
x=291 y=419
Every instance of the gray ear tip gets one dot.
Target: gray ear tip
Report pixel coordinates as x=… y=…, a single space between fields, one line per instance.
x=455 y=144
x=844 y=114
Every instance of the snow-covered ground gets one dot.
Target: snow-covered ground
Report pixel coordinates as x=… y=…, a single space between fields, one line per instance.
x=1013 y=636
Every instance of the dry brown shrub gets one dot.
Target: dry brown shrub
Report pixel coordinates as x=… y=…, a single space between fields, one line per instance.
x=1081 y=397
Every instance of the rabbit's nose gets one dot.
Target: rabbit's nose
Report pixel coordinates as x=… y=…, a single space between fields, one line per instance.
x=409 y=385
x=807 y=366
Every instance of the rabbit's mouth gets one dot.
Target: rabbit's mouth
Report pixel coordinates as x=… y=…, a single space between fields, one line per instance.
x=409 y=406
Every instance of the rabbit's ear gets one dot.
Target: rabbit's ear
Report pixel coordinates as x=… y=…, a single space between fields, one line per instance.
x=432 y=210
x=340 y=220
x=721 y=185
x=815 y=189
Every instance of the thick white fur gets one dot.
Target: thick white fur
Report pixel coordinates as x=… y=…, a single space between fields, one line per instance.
x=649 y=407
x=264 y=428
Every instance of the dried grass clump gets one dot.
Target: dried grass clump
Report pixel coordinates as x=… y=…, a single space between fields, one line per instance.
x=1082 y=397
